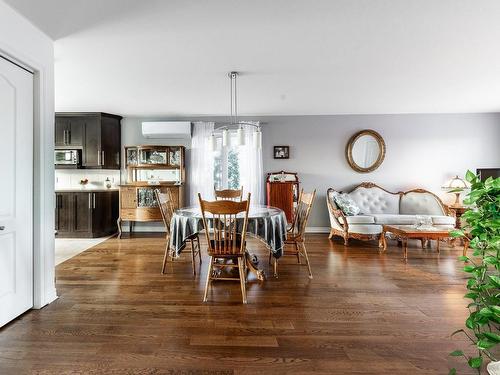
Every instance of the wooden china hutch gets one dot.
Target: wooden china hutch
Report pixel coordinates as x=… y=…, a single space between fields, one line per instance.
x=149 y=168
x=282 y=190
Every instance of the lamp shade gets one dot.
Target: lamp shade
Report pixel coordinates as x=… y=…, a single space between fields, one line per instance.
x=455 y=183
x=257 y=139
x=212 y=143
x=225 y=138
x=240 y=137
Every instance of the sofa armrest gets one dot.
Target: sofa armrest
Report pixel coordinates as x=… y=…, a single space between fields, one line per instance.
x=337 y=217
x=448 y=211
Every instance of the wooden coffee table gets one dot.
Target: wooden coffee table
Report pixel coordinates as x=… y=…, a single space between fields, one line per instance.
x=406 y=232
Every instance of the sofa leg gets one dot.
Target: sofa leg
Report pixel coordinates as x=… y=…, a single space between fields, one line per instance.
x=346 y=240
x=381 y=242
x=330 y=236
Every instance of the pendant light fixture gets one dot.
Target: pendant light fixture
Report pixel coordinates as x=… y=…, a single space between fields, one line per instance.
x=235 y=126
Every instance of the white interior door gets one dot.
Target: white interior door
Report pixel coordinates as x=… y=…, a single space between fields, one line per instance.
x=16 y=191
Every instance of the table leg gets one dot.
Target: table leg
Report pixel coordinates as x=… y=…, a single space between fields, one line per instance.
x=437 y=245
x=251 y=262
x=405 y=249
x=119 y=223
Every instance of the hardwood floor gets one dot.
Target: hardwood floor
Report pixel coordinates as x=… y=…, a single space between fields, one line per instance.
x=363 y=313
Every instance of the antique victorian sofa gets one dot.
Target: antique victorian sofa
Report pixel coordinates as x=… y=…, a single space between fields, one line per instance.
x=379 y=206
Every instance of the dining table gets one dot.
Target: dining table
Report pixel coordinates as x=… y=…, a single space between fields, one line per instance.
x=266 y=223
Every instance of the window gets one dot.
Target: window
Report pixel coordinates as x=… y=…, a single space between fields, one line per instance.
x=227 y=166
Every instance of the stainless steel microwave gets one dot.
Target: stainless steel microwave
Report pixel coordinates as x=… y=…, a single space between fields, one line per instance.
x=67 y=158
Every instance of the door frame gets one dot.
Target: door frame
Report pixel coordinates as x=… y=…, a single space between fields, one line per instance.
x=44 y=290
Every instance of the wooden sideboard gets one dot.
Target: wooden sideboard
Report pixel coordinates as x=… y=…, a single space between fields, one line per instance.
x=282 y=191
x=149 y=168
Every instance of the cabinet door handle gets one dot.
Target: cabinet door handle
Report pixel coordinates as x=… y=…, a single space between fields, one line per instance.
x=64 y=136
x=90 y=201
x=102 y=157
x=69 y=136
x=93 y=200
x=98 y=157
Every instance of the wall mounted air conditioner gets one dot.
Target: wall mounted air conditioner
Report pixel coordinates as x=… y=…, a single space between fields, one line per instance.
x=167 y=129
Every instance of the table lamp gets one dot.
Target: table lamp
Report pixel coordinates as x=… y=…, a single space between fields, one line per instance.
x=456 y=185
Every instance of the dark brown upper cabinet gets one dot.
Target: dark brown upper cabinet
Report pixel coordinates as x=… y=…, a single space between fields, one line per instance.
x=69 y=132
x=98 y=135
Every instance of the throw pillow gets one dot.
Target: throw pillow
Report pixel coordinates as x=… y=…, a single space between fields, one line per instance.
x=346 y=204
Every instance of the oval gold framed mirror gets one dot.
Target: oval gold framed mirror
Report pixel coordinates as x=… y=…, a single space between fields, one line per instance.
x=365 y=151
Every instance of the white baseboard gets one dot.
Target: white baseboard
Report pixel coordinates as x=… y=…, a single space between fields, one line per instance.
x=159 y=228
x=318 y=230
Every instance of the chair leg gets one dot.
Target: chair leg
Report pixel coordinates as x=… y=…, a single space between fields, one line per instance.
x=209 y=276
x=165 y=256
x=275 y=267
x=193 y=249
x=270 y=257
x=297 y=252
x=307 y=259
x=242 y=280
x=346 y=239
x=199 y=248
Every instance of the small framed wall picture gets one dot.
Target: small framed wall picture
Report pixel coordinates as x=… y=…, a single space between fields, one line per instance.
x=281 y=152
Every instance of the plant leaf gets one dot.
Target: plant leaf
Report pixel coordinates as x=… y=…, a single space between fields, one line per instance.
x=475 y=362
x=457 y=353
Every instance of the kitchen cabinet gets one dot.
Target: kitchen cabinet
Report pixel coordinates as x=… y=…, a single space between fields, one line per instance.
x=97 y=134
x=86 y=214
x=69 y=132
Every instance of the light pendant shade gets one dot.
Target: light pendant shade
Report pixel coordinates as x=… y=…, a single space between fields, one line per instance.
x=212 y=143
x=225 y=138
x=257 y=138
x=240 y=137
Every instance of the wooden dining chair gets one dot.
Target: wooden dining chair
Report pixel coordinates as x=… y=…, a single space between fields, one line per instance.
x=296 y=232
x=229 y=194
x=165 y=204
x=226 y=244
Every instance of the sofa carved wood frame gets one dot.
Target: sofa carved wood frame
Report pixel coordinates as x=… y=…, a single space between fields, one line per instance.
x=341 y=220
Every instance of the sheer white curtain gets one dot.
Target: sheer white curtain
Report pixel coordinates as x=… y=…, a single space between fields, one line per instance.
x=201 y=166
x=251 y=171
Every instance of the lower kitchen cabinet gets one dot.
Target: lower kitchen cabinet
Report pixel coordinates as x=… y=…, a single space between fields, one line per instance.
x=86 y=214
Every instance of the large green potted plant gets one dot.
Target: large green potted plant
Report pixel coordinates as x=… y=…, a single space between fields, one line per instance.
x=482 y=228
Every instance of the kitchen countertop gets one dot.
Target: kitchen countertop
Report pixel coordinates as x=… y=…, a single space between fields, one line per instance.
x=84 y=190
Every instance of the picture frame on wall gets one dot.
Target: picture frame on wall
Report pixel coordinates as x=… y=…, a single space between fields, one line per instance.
x=281 y=152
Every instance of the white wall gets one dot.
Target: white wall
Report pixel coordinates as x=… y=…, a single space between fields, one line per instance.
x=21 y=40
x=422 y=150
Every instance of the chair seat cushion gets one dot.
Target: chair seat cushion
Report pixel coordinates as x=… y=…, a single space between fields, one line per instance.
x=359 y=219
x=443 y=220
x=394 y=219
x=365 y=228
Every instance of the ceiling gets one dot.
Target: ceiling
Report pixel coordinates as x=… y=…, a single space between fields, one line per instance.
x=171 y=57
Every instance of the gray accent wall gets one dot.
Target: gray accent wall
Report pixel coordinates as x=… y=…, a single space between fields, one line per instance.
x=423 y=150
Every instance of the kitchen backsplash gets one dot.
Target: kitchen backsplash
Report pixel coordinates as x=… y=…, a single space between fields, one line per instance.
x=70 y=178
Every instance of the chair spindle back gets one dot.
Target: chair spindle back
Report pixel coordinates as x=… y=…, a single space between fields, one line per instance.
x=229 y=194
x=302 y=212
x=228 y=236
x=166 y=206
